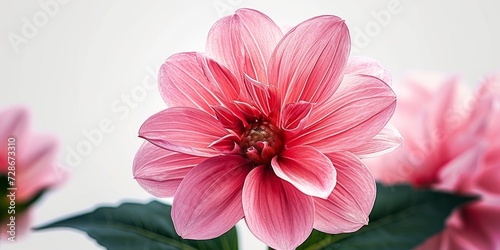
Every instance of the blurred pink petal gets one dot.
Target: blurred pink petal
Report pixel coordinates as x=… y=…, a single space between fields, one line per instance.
x=15 y=122
x=387 y=140
x=35 y=161
x=347 y=208
x=275 y=211
x=451 y=144
x=38 y=164
x=308 y=63
x=280 y=108
x=452 y=177
x=488 y=186
x=160 y=171
x=469 y=229
x=208 y=203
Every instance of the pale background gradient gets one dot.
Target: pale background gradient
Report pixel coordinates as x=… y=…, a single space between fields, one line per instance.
x=90 y=61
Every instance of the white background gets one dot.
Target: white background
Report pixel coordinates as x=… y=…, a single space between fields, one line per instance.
x=88 y=56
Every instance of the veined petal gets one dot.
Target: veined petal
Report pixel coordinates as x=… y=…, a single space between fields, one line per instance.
x=208 y=201
x=358 y=65
x=384 y=142
x=348 y=206
x=358 y=111
x=184 y=130
x=227 y=144
x=228 y=85
x=275 y=211
x=244 y=43
x=262 y=95
x=248 y=112
x=307 y=169
x=308 y=63
x=227 y=118
x=295 y=117
x=160 y=171
x=192 y=80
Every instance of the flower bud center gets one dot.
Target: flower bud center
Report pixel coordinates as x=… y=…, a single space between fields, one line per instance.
x=261 y=141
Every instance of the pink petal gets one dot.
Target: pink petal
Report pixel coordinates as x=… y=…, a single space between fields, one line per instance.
x=228 y=84
x=435 y=242
x=486 y=184
x=35 y=154
x=459 y=172
x=490 y=86
x=208 y=201
x=358 y=65
x=437 y=119
x=384 y=142
x=248 y=112
x=160 y=171
x=227 y=118
x=355 y=114
x=184 y=130
x=227 y=144
x=192 y=80
x=307 y=169
x=262 y=95
x=276 y=212
x=14 y=123
x=309 y=61
x=416 y=100
x=295 y=116
x=244 y=42
x=473 y=130
x=482 y=222
x=470 y=227
x=348 y=206
x=37 y=166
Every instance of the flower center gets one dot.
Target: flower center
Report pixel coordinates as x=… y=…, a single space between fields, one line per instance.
x=261 y=141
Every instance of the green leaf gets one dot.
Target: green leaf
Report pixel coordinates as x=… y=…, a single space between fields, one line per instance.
x=140 y=226
x=402 y=218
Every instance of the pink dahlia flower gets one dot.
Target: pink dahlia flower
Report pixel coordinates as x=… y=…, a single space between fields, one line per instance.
x=451 y=144
x=29 y=159
x=268 y=127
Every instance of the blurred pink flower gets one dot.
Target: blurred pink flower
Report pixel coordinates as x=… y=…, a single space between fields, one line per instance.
x=35 y=169
x=452 y=144
x=268 y=128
